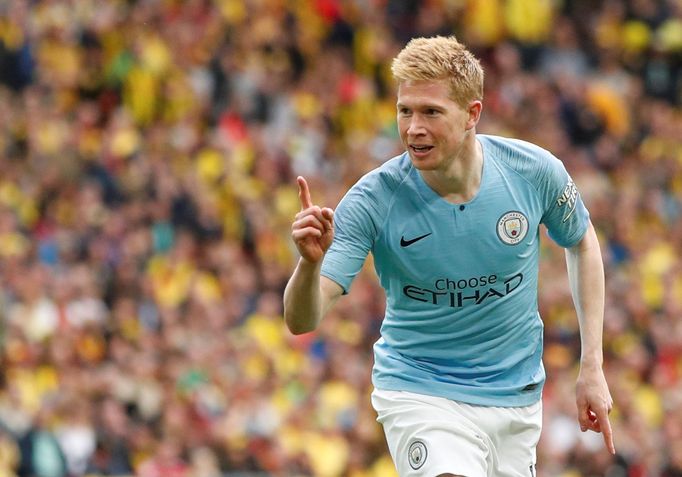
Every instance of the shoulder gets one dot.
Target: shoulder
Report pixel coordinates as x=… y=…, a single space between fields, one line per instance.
x=526 y=159
x=385 y=179
x=516 y=153
x=365 y=207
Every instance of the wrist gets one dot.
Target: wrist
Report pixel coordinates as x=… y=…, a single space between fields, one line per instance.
x=309 y=265
x=591 y=362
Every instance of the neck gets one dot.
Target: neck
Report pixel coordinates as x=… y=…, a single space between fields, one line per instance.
x=460 y=178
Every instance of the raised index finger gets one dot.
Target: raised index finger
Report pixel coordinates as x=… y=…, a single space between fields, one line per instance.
x=304 y=193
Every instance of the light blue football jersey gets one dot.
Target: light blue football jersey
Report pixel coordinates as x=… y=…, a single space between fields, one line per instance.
x=461 y=280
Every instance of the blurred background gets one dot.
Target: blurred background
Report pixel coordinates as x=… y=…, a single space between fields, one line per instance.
x=148 y=155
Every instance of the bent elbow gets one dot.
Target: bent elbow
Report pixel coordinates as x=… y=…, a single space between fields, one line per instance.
x=300 y=331
x=298 y=328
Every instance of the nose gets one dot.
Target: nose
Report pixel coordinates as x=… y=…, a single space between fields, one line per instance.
x=415 y=126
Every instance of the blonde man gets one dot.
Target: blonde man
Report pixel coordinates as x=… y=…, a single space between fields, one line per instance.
x=453 y=225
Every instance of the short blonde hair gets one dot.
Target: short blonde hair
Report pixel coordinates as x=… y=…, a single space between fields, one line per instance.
x=441 y=57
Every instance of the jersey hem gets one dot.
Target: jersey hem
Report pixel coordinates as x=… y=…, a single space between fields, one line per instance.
x=527 y=399
x=335 y=280
x=575 y=241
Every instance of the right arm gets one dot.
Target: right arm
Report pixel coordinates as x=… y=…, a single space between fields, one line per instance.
x=308 y=295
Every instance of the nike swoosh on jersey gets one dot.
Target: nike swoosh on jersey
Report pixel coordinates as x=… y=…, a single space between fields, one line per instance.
x=407 y=243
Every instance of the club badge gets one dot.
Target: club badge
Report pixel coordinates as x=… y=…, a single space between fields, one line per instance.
x=416 y=454
x=512 y=227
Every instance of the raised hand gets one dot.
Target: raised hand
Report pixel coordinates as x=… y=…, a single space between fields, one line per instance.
x=313 y=227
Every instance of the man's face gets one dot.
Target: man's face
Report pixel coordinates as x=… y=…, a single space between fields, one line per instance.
x=432 y=126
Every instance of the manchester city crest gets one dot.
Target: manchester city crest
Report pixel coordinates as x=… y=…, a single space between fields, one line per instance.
x=416 y=454
x=512 y=227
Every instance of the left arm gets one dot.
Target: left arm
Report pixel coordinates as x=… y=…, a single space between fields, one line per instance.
x=586 y=278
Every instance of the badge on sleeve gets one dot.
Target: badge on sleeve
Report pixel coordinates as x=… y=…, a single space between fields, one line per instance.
x=568 y=199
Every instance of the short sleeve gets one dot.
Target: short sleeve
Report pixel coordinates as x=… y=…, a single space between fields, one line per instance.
x=565 y=216
x=356 y=224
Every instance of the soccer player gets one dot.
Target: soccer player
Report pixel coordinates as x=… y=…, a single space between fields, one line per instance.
x=453 y=225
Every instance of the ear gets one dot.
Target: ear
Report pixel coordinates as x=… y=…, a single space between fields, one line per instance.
x=474 y=110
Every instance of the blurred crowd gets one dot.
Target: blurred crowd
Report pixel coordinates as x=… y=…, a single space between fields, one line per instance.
x=148 y=155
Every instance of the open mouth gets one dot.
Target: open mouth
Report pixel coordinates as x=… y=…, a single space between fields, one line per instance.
x=420 y=149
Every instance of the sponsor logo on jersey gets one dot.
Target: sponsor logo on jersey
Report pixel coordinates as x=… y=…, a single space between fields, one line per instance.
x=568 y=199
x=512 y=227
x=467 y=291
x=416 y=454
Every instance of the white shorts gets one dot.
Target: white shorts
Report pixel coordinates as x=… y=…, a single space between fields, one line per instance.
x=428 y=436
